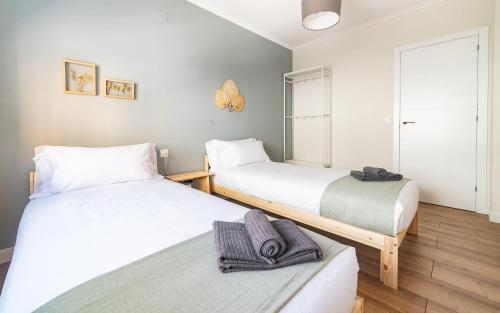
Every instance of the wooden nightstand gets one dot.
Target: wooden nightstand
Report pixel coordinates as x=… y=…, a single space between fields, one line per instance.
x=200 y=179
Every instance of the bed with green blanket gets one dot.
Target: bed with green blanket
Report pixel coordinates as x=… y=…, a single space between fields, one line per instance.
x=147 y=246
x=378 y=214
x=185 y=278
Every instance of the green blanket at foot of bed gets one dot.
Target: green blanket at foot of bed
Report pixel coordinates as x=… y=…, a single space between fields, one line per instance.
x=185 y=278
x=368 y=205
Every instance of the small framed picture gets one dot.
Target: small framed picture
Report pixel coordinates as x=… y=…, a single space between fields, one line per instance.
x=79 y=78
x=122 y=89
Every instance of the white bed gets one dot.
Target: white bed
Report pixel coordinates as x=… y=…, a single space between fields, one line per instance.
x=67 y=239
x=301 y=187
x=244 y=172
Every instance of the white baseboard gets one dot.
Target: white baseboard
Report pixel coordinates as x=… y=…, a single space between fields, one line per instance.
x=6 y=255
x=494 y=217
x=483 y=211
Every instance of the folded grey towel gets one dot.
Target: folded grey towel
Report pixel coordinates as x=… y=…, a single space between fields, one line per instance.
x=235 y=251
x=266 y=241
x=374 y=171
x=393 y=176
x=365 y=177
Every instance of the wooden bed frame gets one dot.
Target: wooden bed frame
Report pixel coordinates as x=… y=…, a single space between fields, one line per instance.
x=388 y=245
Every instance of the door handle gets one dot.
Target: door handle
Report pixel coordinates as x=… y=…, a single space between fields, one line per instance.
x=404 y=123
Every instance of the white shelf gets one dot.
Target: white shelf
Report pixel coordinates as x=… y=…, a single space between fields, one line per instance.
x=308 y=73
x=308 y=116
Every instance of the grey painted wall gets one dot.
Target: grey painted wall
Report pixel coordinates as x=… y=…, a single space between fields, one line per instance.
x=176 y=52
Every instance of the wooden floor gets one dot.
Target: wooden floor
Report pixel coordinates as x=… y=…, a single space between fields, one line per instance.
x=452 y=266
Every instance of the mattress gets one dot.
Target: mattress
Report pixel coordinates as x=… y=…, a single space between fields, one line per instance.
x=301 y=187
x=67 y=239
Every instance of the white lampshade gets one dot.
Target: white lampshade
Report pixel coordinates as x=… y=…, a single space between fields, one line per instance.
x=320 y=14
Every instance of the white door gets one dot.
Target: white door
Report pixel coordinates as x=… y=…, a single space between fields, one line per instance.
x=438 y=121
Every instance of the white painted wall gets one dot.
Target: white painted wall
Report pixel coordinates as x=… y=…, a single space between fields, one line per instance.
x=362 y=76
x=495 y=146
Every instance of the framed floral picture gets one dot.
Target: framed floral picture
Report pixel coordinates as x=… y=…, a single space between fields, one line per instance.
x=122 y=89
x=79 y=78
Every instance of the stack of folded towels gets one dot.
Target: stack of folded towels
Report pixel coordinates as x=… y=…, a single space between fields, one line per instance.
x=375 y=174
x=258 y=244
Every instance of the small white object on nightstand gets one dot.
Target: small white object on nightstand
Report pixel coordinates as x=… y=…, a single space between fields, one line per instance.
x=164 y=156
x=164 y=153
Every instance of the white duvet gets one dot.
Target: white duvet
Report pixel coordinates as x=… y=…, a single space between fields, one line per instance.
x=67 y=239
x=301 y=187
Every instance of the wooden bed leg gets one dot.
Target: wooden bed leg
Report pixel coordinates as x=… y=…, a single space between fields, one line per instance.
x=389 y=263
x=206 y=167
x=358 y=305
x=413 y=229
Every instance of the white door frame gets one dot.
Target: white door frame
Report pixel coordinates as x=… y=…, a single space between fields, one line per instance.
x=482 y=127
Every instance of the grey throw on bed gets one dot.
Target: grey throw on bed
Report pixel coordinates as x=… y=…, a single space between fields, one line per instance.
x=184 y=279
x=368 y=205
x=235 y=251
x=266 y=241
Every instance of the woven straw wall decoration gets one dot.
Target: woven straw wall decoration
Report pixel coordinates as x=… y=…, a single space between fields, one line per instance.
x=228 y=97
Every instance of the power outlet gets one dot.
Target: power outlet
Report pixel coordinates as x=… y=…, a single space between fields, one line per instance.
x=164 y=153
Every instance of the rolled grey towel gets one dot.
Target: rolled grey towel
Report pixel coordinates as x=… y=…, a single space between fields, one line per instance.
x=235 y=250
x=374 y=171
x=266 y=241
x=393 y=176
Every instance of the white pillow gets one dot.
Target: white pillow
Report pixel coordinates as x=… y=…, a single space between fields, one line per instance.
x=216 y=149
x=247 y=153
x=230 y=154
x=62 y=169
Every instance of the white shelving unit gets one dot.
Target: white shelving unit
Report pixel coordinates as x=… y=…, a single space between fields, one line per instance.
x=307 y=118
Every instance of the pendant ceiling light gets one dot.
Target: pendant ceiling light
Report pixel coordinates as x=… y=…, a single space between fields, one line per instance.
x=320 y=14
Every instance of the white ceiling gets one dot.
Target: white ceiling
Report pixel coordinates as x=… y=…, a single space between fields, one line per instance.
x=280 y=20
